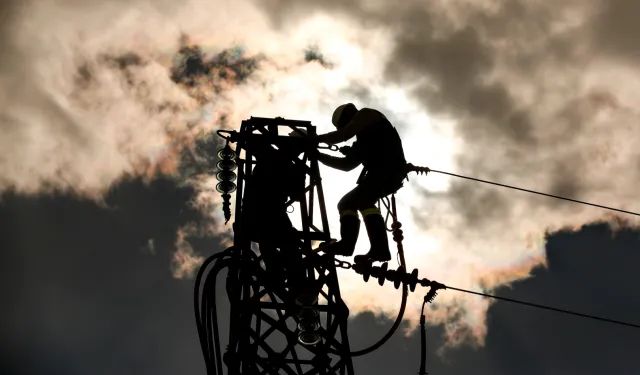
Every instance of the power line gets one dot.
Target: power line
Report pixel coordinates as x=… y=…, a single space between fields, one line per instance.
x=547 y=308
x=537 y=192
x=529 y=303
x=421 y=170
x=400 y=276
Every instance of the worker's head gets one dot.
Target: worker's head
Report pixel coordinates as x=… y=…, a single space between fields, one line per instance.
x=343 y=114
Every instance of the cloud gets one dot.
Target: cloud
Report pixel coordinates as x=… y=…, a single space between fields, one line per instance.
x=531 y=341
x=614 y=29
x=518 y=92
x=84 y=265
x=529 y=90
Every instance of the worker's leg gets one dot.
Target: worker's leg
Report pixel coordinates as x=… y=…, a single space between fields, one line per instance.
x=357 y=199
x=374 y=222
x=377 y=231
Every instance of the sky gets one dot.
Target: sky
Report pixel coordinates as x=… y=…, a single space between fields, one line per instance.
x=103 y=226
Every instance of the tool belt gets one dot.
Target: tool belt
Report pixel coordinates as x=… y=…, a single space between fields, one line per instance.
x=391 y=180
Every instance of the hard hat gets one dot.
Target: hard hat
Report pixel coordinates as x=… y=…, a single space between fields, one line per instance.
x=343 y=114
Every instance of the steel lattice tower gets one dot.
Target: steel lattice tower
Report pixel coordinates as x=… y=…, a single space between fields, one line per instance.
x=268 y=327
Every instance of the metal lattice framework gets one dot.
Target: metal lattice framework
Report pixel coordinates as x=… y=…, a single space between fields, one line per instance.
x=271 y=330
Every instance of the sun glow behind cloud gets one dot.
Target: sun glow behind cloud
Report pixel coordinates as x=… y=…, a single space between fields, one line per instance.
x=80 y=117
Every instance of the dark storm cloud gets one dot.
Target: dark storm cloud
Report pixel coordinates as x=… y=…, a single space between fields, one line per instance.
x=616 y=29
x=193 y=67
x=84 y=297
x=588 y=272
x=313 y=53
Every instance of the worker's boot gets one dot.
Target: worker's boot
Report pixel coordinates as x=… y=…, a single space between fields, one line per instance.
x=377 y=231
x=349 y=231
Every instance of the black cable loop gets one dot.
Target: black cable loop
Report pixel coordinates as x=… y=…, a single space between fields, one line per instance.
x=202 y=312
x=403 y=304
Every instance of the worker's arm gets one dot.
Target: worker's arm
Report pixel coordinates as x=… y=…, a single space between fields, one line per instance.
x=346 y=164
x=362 y=119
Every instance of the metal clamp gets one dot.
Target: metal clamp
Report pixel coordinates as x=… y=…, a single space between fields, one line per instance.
x=328 y=147
x=229 y=137
x=342 y=264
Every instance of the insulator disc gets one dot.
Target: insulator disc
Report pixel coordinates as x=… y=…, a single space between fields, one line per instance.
x=225 y=187
x=229 y=165
x=227 y=153
x=306 y=299
x=309 y=338
x=226 y=175
x=308 y=326
x=307 y=313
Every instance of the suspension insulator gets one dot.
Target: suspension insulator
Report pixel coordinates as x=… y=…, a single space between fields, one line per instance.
x=363 y=269
x=308 y=326
x=380 y=273
x=227 y=153
x=398 y=277
x=226 y=187
x=226 y=164
x=383 y=274
x=413 y=279
x=397 y=281
x=365 y=276
x=226 y=175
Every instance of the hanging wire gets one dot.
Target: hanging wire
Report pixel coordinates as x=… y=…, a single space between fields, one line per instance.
x=412 y=168
x=569 y=312
x=423 y=340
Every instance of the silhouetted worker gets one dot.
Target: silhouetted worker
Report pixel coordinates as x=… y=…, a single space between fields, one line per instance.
x=379 y=149
x=274 y=180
